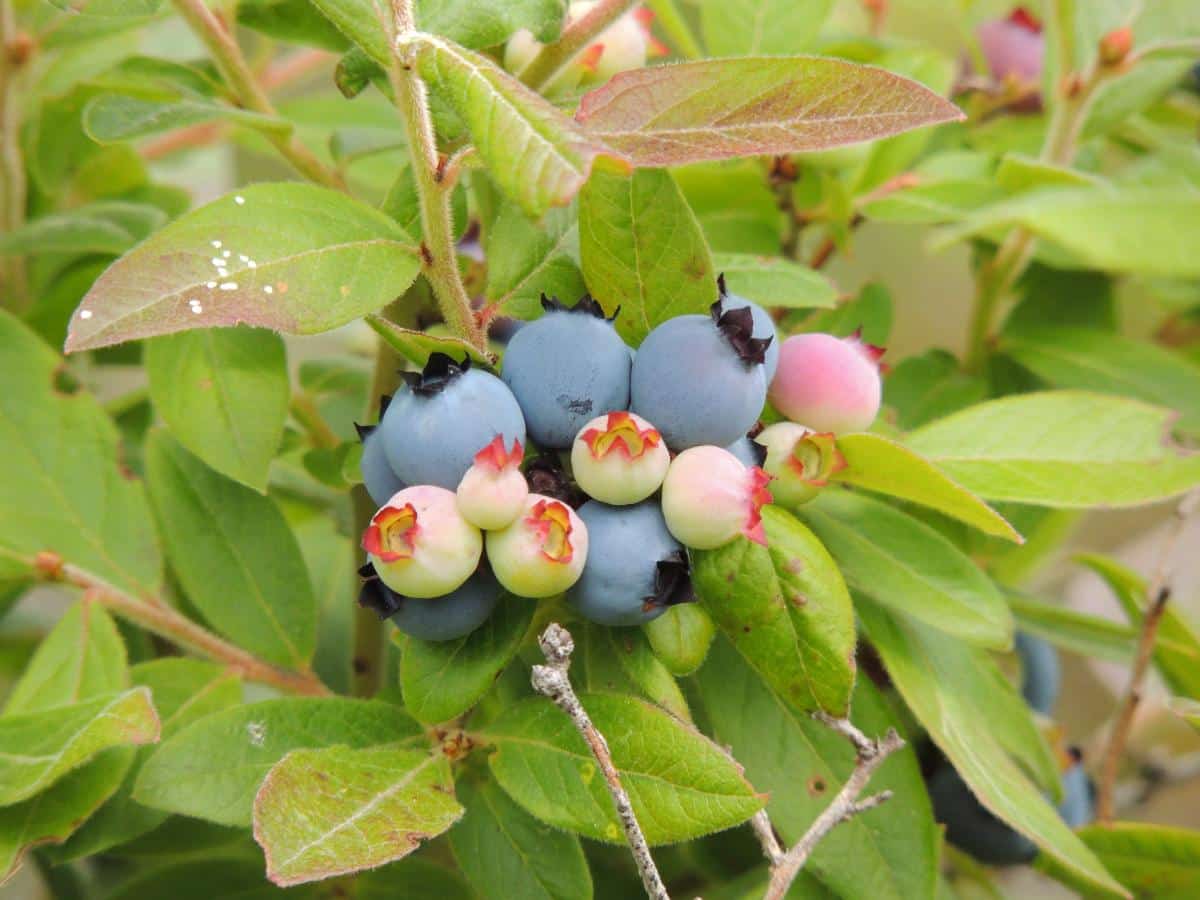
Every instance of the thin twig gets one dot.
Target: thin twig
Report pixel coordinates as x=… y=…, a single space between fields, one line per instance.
x=551 y=681
x=869 y=756
x=1158 y=595
x=13 y=56
x=439 y=262
x=555 y=57
x=232 y=65
x=155 y=615
x=765 y=832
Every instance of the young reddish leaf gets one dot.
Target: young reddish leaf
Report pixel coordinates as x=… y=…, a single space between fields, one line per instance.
x=725 y=108
x=290 y=257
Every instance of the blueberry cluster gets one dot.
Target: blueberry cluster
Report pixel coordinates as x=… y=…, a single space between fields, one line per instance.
x=642 y=455
x=969 y=825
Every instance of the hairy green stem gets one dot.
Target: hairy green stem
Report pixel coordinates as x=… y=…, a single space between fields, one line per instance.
x=231 y=63
x=439 y=261
x=555 y=57
x=676 y=27
x=12 y=166
x=154 y=615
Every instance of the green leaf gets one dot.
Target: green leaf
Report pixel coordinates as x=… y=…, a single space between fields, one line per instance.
x=786 y=610
x=39 y=748
x=643 y=251
x=234 y=554
x=1177 y=652
x=505 y=852
x=646 y=673
x=881 y=465
x=320 y=259
x=486 y=23
x=909 y=567
x=184 y=690
x=754 y=106
x=1133 y=230
x=442 y=679
x=928 y=386
x=325 y=551
x=63 y=488
x=1077 y=632
x=801 y=763
x=1155 y=862
x=212 y=769
x=760 y=26
x=51 y=816
x=774 y=281
x=976 y=718
x=336 y=810
x=412 y=878
x=418 y=346
x=1060 y=448
x=1112 y=364
x=81 y=657
x=108 y=228
x=223 y=392
x=361 y=21
x=681 y=784
x=536 y=154
x=526 y=260
x=112 y=118
x=296 y=21
x=204 y=879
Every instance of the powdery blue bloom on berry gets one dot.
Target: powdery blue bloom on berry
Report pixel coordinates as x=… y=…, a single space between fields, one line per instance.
x=748 y=452
x=565 y=369
x=635 y=569
x=1041 y=674
x=445 y=618
x=764 y=326
x=378 y=478
x=440 y=419
x=700 y=379
x=1078 y=807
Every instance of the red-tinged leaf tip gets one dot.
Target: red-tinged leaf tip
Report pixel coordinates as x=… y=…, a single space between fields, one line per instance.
x=551 y=521
x=392 y=534
x=1025 y=19
x=621 y=435
x=758 y=496
x=496 y=458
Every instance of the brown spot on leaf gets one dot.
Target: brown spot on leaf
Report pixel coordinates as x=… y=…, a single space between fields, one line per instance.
x=795 y=565
x=361 y=666
x=63 y=382
x=816 y=786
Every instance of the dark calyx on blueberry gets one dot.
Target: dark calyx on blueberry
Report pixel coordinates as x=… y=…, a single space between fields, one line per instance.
x=672 y=583
x=586 y=304
x=375 y=595
x=737 y=326
x=365 y=431
x=546 y=476
x=438 y=373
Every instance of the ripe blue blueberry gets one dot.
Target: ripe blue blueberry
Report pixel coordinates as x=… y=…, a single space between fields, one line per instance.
x=441 y=418
x=1040 y=673
x=971 y=827
x=748 y=451
x=700 y=379
x=378 y=478
x=565 y=369
x=634 y=570
x=1078 y=807
x=764 y=325
x=446 y=618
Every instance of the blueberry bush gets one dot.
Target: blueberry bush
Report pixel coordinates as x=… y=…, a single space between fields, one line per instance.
x=449 y=448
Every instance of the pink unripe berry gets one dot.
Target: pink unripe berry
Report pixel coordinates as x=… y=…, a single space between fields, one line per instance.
x=709 y=497
x=492 y=493
x=799 y=461
x=619 y=458
x=827 y=383
x=542 y=553
x=1013 y=47
x=420 y=544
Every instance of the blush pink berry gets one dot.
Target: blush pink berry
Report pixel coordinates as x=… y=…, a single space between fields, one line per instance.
x=826 y=383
